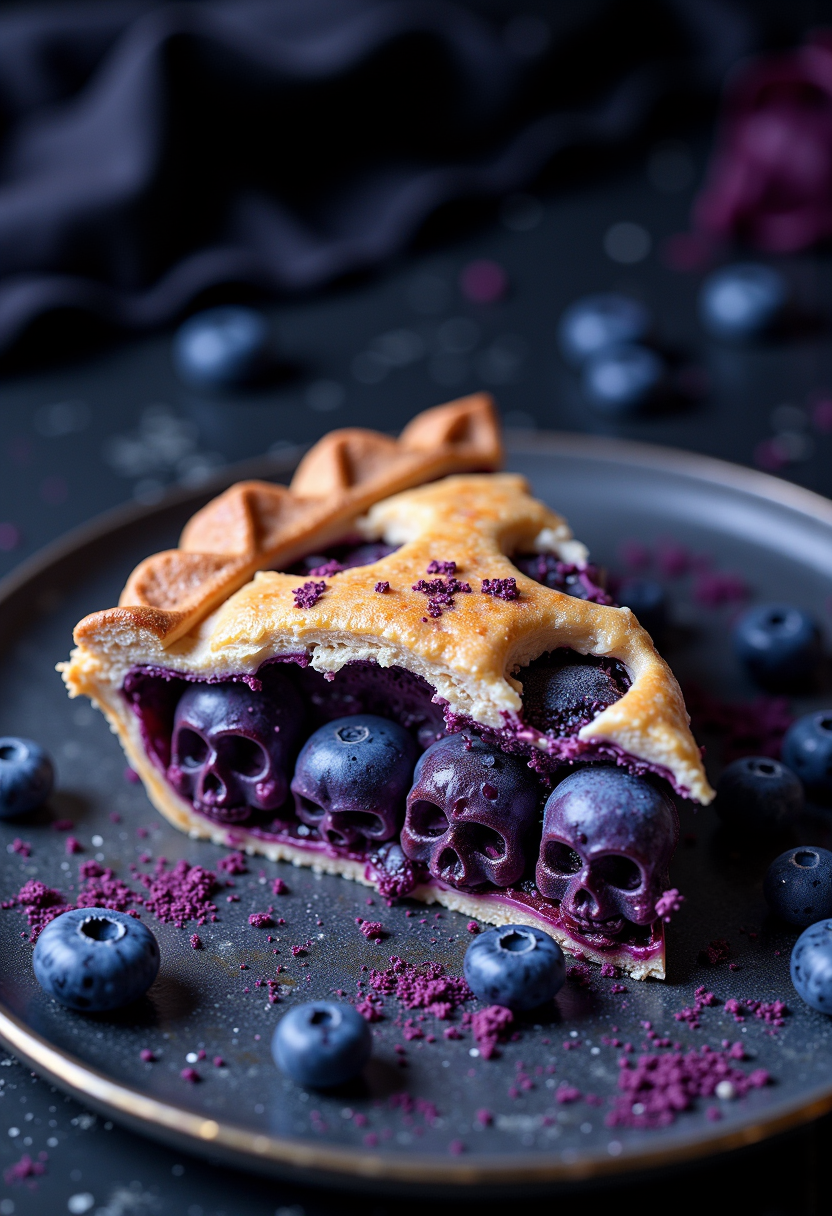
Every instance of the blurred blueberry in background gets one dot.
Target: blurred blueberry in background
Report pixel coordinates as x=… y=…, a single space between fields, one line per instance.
x=594 y=323
x=222 y=348
x=742 y=302
x=623 y=379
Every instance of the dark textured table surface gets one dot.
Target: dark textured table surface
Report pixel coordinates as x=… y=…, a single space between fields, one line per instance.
x=117 y=425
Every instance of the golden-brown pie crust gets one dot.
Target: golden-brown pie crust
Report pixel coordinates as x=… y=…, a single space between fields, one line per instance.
x=210 y=608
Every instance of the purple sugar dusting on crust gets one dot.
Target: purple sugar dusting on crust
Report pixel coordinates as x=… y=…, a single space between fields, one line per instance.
x=441 y=594
x=501 y=588
x=307 y=595
x=437 y=567
x=383 y=587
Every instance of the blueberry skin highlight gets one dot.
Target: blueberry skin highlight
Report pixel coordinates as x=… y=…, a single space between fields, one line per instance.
x=321 y=1044
x=622 y=379
x=594 y=323
x=811 y=966
x=798 y=885
x=94 y=959
x=807 y=748
x=742 y=301
x=516 y=966
x=779 y=646
x=222 y=347
x=758 y=793
x=26 y=776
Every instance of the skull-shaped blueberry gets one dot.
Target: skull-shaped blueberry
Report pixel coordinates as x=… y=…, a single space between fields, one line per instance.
x=232 y=746
x=562 y=691
x=470 y=813
x=352 y=777
x=608 y=838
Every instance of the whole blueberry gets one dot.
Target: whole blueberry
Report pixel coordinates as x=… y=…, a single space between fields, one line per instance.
x=26 y=776
x=807 y=748
x=352 y=777
x=811 y=966
x=94 y=959
x=622 y=379
x=779 y=646
x=798 y=885
x=647 y=599
x=516 y=966
x=596 y=322
x=222 y=347
x=742 y=301
x=758 y=793
x=321 y=1044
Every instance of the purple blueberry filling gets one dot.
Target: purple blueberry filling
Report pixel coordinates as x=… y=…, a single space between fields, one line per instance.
x=341 y=557
x=231 y=748
x=584 y=582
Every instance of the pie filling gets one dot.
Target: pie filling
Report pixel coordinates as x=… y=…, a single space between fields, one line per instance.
x=562 y=692
x=231 y=757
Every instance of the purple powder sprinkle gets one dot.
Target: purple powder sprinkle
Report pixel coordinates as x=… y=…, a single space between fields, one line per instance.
x=501 y=588
x=472 y=926
x=196 y=942
x=308 y=595
x=279 y=887
x=668 y=903
x=373 y=930
x=436 y=567
x=218 y=1062
x=25 y=1168
x=260 y=920
x=131 y=776
x=383 y=587
x=489 y=1026
x=456 y=1147
x=191 y=1075
x=147 y=1056
x=567 y=1093
x=233 y=863
x=19 y=846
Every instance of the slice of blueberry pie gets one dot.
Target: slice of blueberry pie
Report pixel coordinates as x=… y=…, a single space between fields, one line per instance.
x=403 y=669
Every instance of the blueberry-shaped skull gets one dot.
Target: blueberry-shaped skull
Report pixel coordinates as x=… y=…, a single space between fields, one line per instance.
x=232 y=746
x=470 y=813
x=608 y=838
x=352 y=777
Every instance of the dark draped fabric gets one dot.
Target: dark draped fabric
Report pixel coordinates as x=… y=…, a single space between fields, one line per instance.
x=154 y=153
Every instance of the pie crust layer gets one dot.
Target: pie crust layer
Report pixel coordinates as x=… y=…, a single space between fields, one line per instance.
x=219 y=607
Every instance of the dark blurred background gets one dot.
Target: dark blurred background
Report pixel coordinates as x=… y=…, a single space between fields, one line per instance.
x=411 y=192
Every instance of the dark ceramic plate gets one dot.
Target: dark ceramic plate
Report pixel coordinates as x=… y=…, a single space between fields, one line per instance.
x=774 y=536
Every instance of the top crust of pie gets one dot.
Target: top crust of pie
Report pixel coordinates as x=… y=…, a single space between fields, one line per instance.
x=213 y=607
